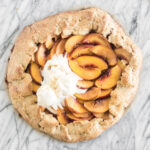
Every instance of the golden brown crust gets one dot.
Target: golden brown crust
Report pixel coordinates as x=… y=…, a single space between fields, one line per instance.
x=65 y=24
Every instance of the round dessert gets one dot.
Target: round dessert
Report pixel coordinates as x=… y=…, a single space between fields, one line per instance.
x=73 y=75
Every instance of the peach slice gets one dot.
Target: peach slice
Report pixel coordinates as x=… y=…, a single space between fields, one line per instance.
x=104 y=116
x=122 y=64
x=35 y=72
x=74 y=106
x=84 y=73
x=104 y=93
x=53 y=50
x=49 y=43
x=66 y=109
x=123 y=54
x=40 y=55
x=98 y=115
x=98 y=106
x=92 y=61
x=106 y=53
x=91 y=94
x=35 y=87
x=109 y=79
x=81 y=50
x=54 y=111
x=95 y=38
x=72 y=117
x=41 y=109
x=80 y=101
x=60 y=48
x=85 y=115
x=72 y=42
x=61 y=116
x=50 y=109
x=84 y=84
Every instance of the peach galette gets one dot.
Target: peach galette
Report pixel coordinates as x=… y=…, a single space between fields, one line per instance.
x=74 y=74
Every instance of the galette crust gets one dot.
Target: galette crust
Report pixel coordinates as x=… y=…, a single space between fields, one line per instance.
x=64 y=24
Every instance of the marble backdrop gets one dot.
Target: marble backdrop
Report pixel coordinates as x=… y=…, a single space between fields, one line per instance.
x=133 y=130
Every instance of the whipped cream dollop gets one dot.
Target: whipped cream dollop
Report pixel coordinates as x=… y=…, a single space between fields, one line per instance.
x=58 y=83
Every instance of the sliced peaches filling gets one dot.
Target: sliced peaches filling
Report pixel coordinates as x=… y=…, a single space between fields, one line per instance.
x=89 y=69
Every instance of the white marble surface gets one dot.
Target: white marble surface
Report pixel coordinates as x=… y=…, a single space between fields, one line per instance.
x=133 y=130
